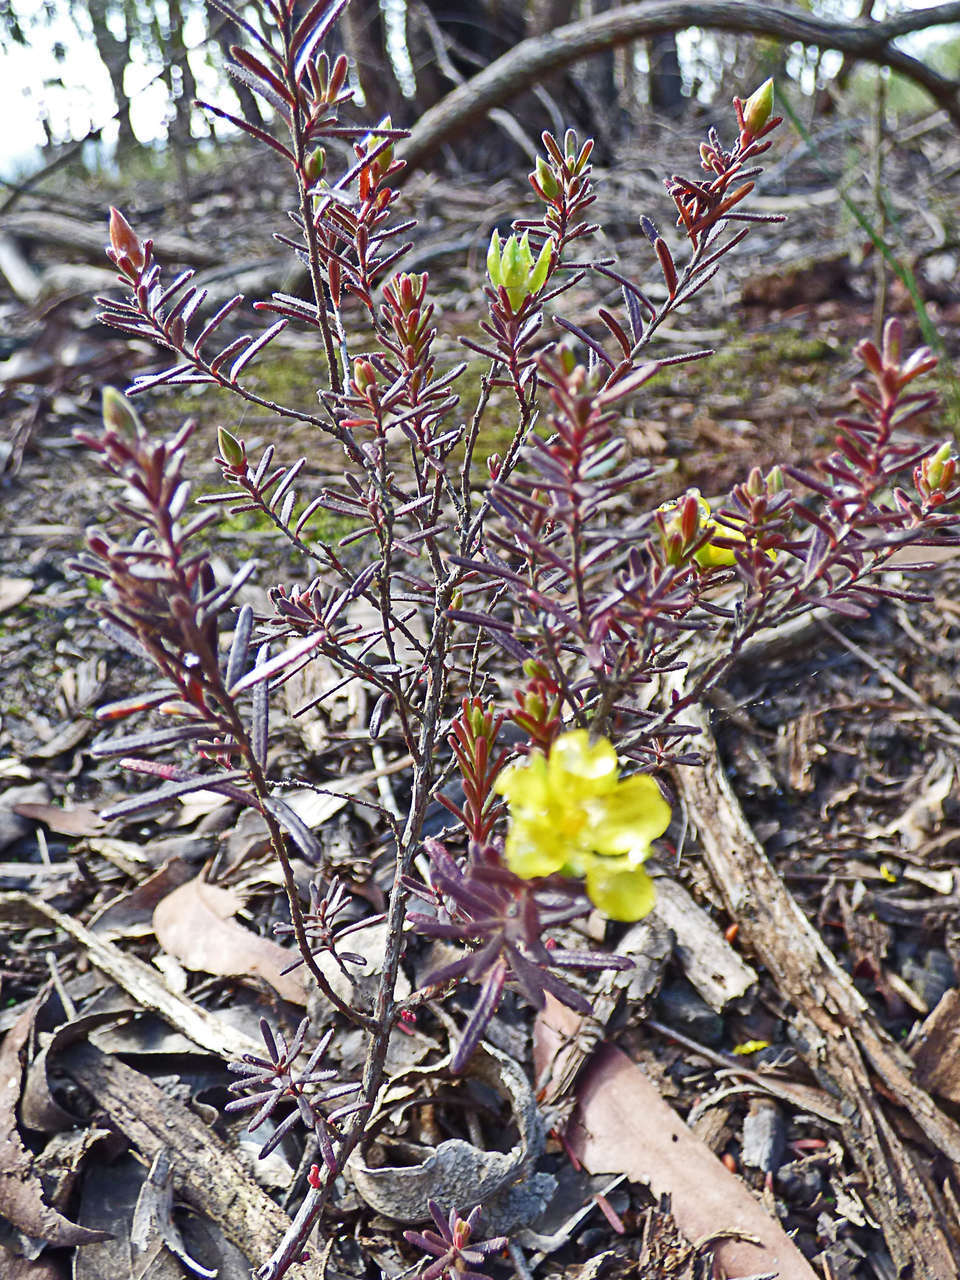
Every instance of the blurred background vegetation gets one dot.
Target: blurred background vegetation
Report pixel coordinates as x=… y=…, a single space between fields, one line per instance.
x=104 y=81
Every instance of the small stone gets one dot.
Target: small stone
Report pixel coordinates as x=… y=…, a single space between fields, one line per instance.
x=930 y=984
x=764 y=1137
x=800 y=1182
x=938 y=961
x=684 y=1010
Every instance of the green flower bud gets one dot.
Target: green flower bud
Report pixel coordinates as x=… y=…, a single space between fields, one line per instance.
x=567 y=357
x=315 y=164
x=936 y=473
x=538 y=276
x=515 y=263
x=231 y=449
x=535 y=670
x=758 y=108
x=119 y=414
x=512 y=267
x=546 y=179
x=493 y=261
x=385 y=158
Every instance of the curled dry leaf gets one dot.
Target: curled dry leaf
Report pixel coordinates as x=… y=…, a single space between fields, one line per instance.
x=194 y=923
x=457 y=1172
x=21 y=1192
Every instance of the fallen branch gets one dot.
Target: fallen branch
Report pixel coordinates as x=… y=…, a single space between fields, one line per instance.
x=527 y=64
x=89 y=240
x=207 y=1174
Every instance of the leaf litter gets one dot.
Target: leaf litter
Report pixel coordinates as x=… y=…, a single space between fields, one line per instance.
x=860 y=824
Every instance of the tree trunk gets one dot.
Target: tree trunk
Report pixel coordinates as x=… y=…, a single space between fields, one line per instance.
x=185 y=91
x=666 y=83
x=115 y=55
x=365 y=40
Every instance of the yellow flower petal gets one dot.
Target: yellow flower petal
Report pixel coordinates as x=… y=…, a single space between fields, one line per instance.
x=533 y=848
x=525 y=784
x=620 y=891
x=578 y=769
x=570 y=813
x=632 y=815
x=750 y=1046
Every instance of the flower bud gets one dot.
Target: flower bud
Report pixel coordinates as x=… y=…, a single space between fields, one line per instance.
x=494 y=463
x=515 y=263
x=315 y=164
x=385 y=158
x=545 y=179
x=541 y=268
x=124 y=241
x=119 y=414
x=756 y=485
x=494 y=254
x=232 y=450
x=535 y=670
x=567 y=357
x=364 y=375
x=512 y=267
x=758 y=109
x=479 y=723
x=935 y=475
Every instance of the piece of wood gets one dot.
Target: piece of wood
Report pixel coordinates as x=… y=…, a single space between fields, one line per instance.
x=206 y=1173
x=90 y=239
x=708 y=960
x=139 y=980
x=835 y=1029
x=937 y=1051
x=23 y=279
x=527 y=63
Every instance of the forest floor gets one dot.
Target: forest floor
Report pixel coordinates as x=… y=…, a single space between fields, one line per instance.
x=840 y=742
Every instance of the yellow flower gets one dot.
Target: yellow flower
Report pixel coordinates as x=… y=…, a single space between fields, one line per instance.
x=571 y=814
x=709 y=556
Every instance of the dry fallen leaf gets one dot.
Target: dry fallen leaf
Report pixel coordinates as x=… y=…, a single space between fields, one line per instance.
x=194 y=923
x=623 y=1125
x=13 y=591
x=80 y=820
x=21 y=1192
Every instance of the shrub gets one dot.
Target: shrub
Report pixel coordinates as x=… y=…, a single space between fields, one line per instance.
x=522 y=580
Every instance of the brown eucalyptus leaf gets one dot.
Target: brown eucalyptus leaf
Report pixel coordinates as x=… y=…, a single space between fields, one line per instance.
x=21 y=1192
x=623 y=1125
x=80 y=820
x=39 y=1109
x=130 y=915
x=194 y=923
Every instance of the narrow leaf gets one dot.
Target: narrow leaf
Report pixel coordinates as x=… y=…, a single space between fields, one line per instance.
x=296 y=828
x=277 y=664
x=241 y=641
